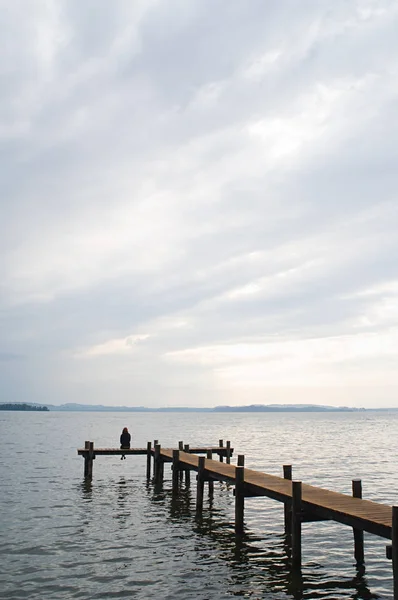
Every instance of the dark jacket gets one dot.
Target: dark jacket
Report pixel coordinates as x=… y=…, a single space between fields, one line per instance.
x=125 y=440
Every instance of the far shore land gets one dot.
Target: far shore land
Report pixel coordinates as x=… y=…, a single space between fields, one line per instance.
x=24 y=406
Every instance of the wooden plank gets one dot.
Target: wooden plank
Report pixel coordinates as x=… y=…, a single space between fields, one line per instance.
x=142 y=451
x=215 y=450
x=114 y=451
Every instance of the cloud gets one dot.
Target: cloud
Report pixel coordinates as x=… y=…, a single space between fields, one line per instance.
x=199 y=202
x=117 y=346
x=9 y=356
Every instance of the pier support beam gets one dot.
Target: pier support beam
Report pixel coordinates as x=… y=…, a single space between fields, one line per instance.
x=158 y=465
x=200 y=485
x=187 y=471
x=228 y=457
x=181 y=448
x=88 y=459
x=221 y=445
x=359 y=553
x=148 y=460
x=239 y=499
x=155 y=443
x=287 y=474
x=176 y=471
x=296 y=525
x=209 y=455
x=86 y=447
x=394 y=550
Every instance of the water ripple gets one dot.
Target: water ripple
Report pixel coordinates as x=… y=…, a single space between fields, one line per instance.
x=118 y=537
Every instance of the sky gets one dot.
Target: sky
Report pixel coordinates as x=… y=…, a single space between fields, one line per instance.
x=198 y=202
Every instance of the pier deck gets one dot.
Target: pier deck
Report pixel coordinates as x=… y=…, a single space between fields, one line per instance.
x=302 y=502
x=322 y=503
x=220 y=451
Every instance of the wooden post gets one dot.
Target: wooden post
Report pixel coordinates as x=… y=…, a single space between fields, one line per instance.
x=181 y=448
x=221 y=445
x=358 y=533
x=148 y=460
x=176 y=461
x=239 y=498
x=228 y=459
x=394 y=539
x=161 y=468
x=296 y=525
x=287 y=474
x=209 y=455
x=200 y=484
x=86 y=447
x=241 y=460
x=155 y=443
x=156 y=466
x=187 y=471
x=90 y=459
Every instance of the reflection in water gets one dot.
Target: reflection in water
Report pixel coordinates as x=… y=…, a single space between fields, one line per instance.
x=86 y=488
x=93 y=492
x=156 y=491
x=61 y=531
x=123 y=491
x=124 y=494
x=181 y=505
x=261 y=564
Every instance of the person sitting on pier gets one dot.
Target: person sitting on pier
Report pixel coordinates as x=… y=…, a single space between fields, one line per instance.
x=125 y=440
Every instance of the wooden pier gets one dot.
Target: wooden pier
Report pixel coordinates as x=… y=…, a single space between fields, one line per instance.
x=302 y=502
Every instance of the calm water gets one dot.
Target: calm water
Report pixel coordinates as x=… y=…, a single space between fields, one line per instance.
x=119 y=537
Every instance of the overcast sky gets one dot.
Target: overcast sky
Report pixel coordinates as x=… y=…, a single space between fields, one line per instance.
x=199 y=202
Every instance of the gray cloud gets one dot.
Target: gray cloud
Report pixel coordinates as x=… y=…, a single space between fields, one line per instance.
x=9 y=356
x=216 y=184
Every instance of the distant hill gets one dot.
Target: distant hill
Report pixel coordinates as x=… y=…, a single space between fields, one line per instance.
x=103 y=408
x=285 y=408
x=245 y=408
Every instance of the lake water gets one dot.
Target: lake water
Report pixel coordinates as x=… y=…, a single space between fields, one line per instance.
x=119 y=537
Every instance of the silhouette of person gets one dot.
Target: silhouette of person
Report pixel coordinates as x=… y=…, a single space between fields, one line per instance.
x=125 y=440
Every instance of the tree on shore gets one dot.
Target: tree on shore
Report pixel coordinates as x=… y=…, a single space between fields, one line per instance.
x=22 y=406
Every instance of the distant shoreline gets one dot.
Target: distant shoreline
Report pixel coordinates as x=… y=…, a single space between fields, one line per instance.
x=253 y=408
x=23 y=406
